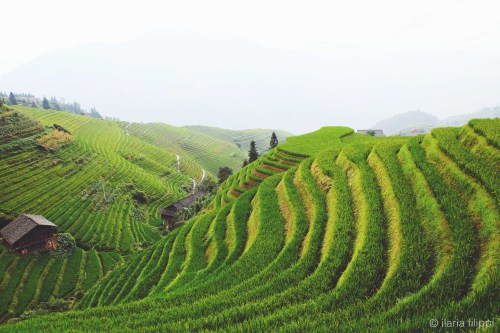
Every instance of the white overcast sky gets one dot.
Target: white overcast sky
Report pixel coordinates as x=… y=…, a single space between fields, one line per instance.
x=32 y=27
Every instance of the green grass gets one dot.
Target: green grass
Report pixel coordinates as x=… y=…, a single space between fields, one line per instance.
x=65 y=185
x=195 y=148
x=69 y=186
x=312 y=143
x=330 y=231
x=28 y=280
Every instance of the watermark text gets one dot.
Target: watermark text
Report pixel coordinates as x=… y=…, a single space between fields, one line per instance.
x=459 y=323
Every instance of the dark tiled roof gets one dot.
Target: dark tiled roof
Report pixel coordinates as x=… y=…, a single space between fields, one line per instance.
x=22 y=225
x=186 y=202
x=40 y=220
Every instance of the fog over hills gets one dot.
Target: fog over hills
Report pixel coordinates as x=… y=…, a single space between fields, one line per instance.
x=185 y=78
x=407 y=121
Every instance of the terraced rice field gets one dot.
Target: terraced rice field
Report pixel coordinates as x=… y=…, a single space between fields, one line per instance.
x=331 y=231
x=68 y=186
x=90 y=188
x=194 y=148
x=27 y=281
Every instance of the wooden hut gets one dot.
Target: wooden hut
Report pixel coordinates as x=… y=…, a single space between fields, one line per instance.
x=28 y=233
x=170 y=213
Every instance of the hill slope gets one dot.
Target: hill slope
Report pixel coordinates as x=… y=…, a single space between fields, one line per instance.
x=29 y=282
x=194 y=147
x=104 y=187
x=330 y=231
x=242 y=138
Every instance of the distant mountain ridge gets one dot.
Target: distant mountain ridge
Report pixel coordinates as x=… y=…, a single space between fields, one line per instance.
x=411 y=120
x=242 y=138
x=185 y=78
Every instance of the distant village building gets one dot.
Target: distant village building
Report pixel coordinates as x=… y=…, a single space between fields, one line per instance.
x=372 y=132
x=28 y=233
x=169 y=213
x=413 y=132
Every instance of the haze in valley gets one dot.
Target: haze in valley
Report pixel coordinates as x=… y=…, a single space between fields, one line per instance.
x=288 y=65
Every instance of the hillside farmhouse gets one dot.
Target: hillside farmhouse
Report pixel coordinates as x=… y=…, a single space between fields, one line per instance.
x=373 y=132
x=169 y=213
x=28 y=233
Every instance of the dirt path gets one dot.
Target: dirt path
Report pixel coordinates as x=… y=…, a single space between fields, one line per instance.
x=203 y=174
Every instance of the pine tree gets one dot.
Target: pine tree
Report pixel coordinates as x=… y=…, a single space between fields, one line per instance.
x=56 y=106
x=252 y=153
x=12 y=99
x=245 y=163
x=45 y=103
x=33 y=105
x=274 y=141
x=94 y=113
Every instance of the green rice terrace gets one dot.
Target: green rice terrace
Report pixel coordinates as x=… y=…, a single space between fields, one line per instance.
x=330 y=231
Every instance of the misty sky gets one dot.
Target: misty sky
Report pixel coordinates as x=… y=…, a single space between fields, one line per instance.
x=362 y=35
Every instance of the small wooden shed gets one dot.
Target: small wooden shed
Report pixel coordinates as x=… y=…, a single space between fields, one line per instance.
x=169 y=213
x=28 y=233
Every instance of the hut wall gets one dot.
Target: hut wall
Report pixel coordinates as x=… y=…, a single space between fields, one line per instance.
x=40 y=238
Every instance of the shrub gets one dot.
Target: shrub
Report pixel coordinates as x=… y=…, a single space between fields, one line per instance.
x=140 y=197
x=55 y=140
x=60 y=128
x=66 y=244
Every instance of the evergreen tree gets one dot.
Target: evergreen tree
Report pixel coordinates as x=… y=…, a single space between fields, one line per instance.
x=33 y=105
x=56 y=106
x=224 y=173
x=12 y=99
x=1 y=102
x=245 y=163
x=274 y=141
x=252 y=153
x=45 y=103
x=94 y=113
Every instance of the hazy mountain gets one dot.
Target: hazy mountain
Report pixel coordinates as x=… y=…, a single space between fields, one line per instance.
x=492 y=112
x=407 y=121
x=177 y=78
x=215 y=80
x=410 y=119
x=242 y=138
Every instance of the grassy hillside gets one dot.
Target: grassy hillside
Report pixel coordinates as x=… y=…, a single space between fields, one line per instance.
x=94 y=180
x=27 y=282
x=104 y=187
x=331 y=231
x=242 y=138
x=194 y=147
